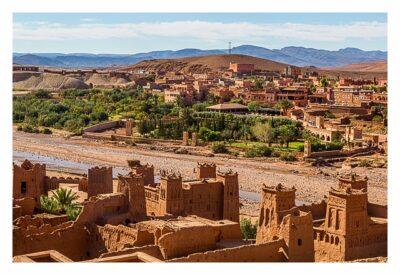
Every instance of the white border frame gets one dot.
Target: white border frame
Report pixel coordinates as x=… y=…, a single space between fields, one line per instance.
x=8 y=7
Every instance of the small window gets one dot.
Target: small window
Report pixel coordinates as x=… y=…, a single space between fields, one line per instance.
x=299 y=242
x=23 y=187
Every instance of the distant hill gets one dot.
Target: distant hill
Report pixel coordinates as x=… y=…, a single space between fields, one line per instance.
x=298 y=56
x=201 y=64
x=372 y=66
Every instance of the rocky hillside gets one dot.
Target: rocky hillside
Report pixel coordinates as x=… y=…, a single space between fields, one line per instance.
x=201 y=64
x=373 y=66
x=50 y=81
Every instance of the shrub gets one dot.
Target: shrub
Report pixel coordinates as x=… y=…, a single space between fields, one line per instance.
x=275 y=154
x=73 y=212
x=219 y=147
x=41 y=94
x=234 y=153
x=329 y=115
x=287 y=157
x=249 y=230
x=333 y=146
x=62 y=202
x=258 y=151
x=364 y=163
x=208 y=134
x=377 y=119
x=130 y=142
x=46 y=131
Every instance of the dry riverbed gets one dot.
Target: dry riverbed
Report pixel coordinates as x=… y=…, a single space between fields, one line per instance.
x=312 y=183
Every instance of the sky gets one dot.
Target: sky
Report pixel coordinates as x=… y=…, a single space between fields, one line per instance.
x=129 y=33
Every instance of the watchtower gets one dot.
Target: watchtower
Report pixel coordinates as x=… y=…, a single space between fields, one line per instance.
x=230 y=183
x=171 y=194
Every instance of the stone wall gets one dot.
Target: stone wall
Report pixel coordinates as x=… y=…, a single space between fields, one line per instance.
x=317 y=209
x=339 y=153
x=187 y=241
x=25 y=206
x=71 y=241
x=152 y=250
x=102 y=208
x=110 y=238
x=53 y=183
x=268 y=252
x=376 y=210
x=102 y=126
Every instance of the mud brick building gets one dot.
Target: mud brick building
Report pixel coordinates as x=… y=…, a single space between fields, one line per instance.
x=213 y=195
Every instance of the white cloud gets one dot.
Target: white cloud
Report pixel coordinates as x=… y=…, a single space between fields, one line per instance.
x=88 y=19
x=207 y=31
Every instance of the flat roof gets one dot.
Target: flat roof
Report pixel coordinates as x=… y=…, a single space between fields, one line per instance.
x=227 y=106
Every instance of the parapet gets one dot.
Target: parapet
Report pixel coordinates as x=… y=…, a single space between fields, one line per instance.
x=98 y=169
x=27 y=165
x=279 y=188
x=170 y=175
x=347 y=192
x=135 y=163
x=228 y=173
x=206 y=170
x=353 y=181
x=205 y=164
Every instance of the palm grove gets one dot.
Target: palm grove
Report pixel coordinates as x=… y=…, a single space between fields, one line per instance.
x=73 y=110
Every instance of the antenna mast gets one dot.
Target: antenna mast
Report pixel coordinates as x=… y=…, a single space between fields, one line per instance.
x=230 y=48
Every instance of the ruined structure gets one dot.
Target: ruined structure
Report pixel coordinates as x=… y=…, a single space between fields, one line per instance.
x=29 y=181
x=128 y=127
x=197 y=221
x=185 y=138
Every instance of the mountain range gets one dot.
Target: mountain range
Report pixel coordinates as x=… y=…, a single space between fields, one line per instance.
x=298 y=56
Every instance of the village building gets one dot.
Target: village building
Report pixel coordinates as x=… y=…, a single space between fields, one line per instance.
x=240 y=69
x=228 y=108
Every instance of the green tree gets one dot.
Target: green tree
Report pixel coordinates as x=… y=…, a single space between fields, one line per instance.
x=284 y=105
x=287 y=133
x=249 y=230
x=329 y=115
x=324 y=82
x=253 y=107
x=263 y=132
x=258 y=84
x=237 y=100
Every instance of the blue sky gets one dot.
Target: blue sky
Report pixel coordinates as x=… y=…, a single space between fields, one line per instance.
x=143 y=32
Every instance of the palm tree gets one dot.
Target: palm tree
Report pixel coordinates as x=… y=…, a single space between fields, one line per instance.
x=65 y=199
